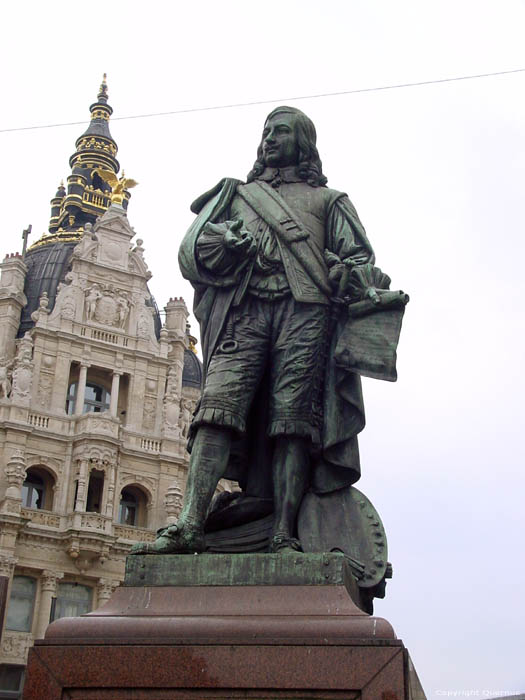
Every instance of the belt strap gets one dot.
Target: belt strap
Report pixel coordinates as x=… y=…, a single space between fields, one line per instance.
x=272 y=208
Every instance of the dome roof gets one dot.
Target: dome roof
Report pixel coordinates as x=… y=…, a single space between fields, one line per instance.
x=47 y=266
x=192 y=372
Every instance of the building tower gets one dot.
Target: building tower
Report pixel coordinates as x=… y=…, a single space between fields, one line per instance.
x=95 y=402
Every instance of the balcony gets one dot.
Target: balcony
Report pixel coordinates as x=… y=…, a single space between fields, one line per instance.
x=97 y=424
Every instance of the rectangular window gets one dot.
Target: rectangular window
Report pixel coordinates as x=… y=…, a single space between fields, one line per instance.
x=21 y=604
x=72 y=600
x=11 y=681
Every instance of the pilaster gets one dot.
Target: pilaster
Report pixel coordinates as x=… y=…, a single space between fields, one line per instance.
x=48 y=589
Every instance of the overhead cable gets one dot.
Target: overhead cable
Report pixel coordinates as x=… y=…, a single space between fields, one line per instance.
x=273 y=101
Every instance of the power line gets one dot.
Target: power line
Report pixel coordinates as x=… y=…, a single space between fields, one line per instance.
x=280 y=99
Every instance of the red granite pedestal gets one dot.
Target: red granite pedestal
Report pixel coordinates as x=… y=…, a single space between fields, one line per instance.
x=249 y=641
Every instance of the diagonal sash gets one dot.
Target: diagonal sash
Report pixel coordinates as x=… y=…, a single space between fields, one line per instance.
x=290 y=232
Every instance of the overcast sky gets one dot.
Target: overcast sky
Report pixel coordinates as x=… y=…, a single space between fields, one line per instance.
x=436 y=173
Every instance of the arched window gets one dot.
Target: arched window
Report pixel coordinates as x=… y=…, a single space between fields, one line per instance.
x=33 y=492
x=72 y=600
x=95 y=491
x=133 y=507
x=96 y=398
x=127 y=513
x=37 y=489
x=21 y=604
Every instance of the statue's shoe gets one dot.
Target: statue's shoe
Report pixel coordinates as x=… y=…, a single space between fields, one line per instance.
x=174 y=539
x=281 y=544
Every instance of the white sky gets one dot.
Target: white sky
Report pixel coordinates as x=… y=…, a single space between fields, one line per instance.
x=436 y=174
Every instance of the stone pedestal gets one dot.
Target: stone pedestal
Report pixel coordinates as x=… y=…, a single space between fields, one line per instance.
x=225 y=626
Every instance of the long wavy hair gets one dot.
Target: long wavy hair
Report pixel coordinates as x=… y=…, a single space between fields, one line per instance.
x=309 y=167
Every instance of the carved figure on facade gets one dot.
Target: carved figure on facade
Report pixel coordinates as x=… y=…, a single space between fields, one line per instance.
x=186 y=414
x=123 y=306
x=5 y=377
x=93 y=294
x=23 y=370
x=136 y=260
x=145 y=324
x=66 y=303
x=87 y=248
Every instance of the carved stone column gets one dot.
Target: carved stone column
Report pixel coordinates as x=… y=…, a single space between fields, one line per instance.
x=7 y=567
x=110 y=498
x=115 y=384
x=105 y=588
x=15 y=472
x=173 y=502
x=80 y=503
x=48 y=589
x=81 y=389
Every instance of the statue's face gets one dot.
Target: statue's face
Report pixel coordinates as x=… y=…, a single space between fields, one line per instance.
x=279 y=142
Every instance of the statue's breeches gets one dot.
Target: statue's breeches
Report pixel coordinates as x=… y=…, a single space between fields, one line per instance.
x=282 y=340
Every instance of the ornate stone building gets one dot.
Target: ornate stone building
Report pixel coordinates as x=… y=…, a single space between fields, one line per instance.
x=96 y=397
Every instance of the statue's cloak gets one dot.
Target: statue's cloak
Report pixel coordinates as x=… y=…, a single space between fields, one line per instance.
x=336 y=463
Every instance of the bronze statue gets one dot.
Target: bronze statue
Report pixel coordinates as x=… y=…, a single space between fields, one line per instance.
x=282 y=270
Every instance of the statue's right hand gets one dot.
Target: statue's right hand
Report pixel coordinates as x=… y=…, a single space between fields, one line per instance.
x=238 y=239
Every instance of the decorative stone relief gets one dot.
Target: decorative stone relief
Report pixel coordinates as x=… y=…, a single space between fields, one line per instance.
x=45 y=386
x=98 y=456
x=15 y=645
x=7 y=564
x=23 y=371
x=172 y=407
x=106 y=305
x=39 y=517
x=148 y=416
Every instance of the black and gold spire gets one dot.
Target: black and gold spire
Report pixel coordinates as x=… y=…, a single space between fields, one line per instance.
x=87 y=195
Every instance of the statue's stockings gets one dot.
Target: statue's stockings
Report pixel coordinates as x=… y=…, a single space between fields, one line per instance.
x=208 y=463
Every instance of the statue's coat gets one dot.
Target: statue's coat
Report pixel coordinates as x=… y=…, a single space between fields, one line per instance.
x=337 y=463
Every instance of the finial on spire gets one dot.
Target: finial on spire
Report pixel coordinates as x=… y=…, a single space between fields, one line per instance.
x=103 y=91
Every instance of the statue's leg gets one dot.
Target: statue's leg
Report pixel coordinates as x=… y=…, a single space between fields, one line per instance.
x=290 y=480
x=209 y=458
x=208 y=462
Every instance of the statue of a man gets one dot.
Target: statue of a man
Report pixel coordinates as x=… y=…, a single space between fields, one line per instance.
x=267 y=259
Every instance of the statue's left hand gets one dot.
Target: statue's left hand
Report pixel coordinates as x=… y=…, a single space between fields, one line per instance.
x=371 y=293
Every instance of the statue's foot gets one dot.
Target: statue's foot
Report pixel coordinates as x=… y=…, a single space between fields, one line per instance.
x=174 y=539
x=282 y=543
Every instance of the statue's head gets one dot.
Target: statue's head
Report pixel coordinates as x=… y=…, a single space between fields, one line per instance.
x=289 y=138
